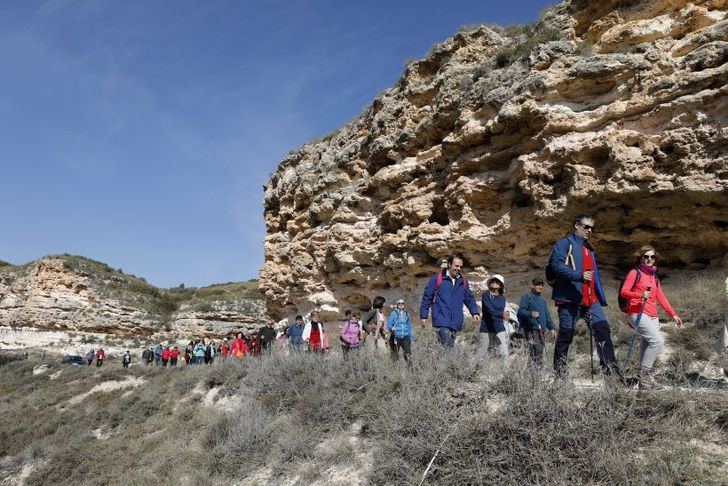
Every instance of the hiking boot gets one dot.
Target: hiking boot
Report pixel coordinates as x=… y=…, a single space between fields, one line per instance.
x=613 y=375
x=648 y=382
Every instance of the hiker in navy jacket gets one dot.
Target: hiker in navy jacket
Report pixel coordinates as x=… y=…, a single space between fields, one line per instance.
x=535 y=319
x=492 y=326
x=578 y=293
x=446 y=292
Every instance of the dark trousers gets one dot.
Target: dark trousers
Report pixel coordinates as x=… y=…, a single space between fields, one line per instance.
x=446 y=337
x=99 y=362
x=164 y=362
x=569 y=314
x=345 y=348
x=536 y=344
x=173 y=362
x=125 y=363
x=405 y=344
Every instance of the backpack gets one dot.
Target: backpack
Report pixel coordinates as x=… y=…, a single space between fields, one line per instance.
x=367 y=319
x=624 y=303
x=551 y=273
x=347 y=339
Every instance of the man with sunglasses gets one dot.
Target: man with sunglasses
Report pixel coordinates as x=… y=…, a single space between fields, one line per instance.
x=578 y=294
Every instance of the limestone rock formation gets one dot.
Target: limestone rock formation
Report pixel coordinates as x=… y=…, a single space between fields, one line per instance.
x=492 y=143
x=77 y=294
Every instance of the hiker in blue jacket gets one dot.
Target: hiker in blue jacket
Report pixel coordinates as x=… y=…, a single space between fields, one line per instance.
x=445 y=293
x=535 y=319
x=492 y=325
x=399 y=327
x=577 y=293
x=295 y=335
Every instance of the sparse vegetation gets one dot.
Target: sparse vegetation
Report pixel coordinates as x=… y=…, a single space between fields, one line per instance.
x=301 y=415
x=584 y=49
x=525 y=39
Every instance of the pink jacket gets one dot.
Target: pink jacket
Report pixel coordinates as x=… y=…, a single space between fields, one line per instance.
x=350 y=333
x=635 y=294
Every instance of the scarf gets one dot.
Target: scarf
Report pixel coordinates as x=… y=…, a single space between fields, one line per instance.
x=647 y=269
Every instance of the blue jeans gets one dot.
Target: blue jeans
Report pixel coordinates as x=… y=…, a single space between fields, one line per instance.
x=446 y=337
x=569 y=314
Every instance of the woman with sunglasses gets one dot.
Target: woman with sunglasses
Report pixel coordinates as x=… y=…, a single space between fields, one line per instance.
x=635 y=289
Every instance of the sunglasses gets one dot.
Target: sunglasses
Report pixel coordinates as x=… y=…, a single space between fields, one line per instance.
x=649 y=257
x=587 y=226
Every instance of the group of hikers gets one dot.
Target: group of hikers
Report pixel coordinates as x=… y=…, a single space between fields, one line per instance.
x=206 y=351
x=577 y=292
x=99 y=355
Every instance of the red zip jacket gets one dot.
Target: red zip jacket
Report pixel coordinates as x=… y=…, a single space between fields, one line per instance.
x=635 y=294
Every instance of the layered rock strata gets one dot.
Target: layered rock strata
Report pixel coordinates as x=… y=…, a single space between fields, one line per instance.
x=76 y=294
x=492 y=143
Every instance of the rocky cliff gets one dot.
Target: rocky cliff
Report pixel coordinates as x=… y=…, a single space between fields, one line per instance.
x=493 y=142
x=77 y=294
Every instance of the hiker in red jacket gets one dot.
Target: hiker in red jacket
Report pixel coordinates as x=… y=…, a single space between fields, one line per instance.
x=100 y=355
x=239 y=348
x=224 y=348
x=644 y=302
x=173 y=356
x=314 y=333
x=165 y=356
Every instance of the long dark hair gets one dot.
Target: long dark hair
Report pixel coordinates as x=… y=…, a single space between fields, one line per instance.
x=379 y=302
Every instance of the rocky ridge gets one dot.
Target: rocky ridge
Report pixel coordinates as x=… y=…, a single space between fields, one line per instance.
x=493 y=142
x=72 y=293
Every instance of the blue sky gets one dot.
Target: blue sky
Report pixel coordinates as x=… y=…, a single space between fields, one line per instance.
x=140 y=133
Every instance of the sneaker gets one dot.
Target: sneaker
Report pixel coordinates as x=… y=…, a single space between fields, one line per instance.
x=648 y=382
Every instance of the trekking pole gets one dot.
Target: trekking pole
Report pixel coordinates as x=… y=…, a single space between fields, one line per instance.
x=591 y=344
x=634 y=332
x=591 y=337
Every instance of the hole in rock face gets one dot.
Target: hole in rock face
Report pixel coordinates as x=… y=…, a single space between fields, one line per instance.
x=390 y=223
x=721 y=224
x=522 y=200
x=439 y=214
x=600 y=156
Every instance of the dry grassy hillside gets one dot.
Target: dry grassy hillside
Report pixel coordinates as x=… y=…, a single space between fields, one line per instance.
x=306 y=419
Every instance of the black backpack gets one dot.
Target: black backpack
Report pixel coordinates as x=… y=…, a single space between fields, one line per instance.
x=551 y=273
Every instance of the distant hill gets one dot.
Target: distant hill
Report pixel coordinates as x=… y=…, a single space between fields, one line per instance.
x=76 y=293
